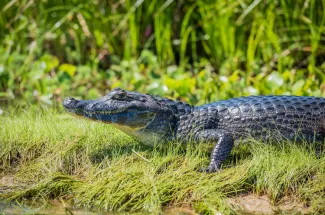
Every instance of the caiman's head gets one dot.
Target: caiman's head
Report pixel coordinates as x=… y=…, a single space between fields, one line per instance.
x=136 y=114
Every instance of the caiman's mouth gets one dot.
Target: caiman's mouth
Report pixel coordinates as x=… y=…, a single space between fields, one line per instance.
x=82 y=112
x=129 y=118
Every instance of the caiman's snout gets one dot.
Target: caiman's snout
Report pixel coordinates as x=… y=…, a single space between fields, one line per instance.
x=74 y=106
x=70 y=103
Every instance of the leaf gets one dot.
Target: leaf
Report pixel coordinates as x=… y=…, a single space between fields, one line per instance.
x=157 y=88
x=68 y=68
x=274 y=80
x=50 y=62
x=47 y=98
x=297 y=87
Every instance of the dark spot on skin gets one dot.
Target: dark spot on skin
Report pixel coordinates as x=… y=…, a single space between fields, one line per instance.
x=279 y=120
x=299 y=109
x=289 y=116
x=270 y=109
x=260 y=110
x=321 y=105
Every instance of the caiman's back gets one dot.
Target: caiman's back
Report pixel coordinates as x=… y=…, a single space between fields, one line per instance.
x=270 y=117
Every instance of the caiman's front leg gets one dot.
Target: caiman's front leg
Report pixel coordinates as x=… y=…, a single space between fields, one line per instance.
x=224 y=144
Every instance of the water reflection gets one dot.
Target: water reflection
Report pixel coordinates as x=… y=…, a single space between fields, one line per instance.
x=54 y=208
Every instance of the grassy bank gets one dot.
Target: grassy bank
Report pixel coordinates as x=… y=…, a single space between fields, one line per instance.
x=51 y=155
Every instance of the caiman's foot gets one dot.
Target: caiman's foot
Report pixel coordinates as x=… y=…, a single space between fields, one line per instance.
x=210 y=169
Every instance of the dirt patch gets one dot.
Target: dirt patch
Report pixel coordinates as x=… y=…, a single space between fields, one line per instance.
x=290 y=205
x=6 y=182
x=183 y=210
x=254 y=204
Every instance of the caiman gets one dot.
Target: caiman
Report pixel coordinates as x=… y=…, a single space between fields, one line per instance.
x=156 y=120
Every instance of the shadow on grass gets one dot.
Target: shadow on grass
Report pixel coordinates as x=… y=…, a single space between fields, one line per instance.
x=113 y=151
x=239 y=153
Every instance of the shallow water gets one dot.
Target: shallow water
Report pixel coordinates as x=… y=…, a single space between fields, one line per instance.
x=53 y=208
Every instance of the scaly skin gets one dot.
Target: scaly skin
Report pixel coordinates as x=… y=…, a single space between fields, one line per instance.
x=155 y=120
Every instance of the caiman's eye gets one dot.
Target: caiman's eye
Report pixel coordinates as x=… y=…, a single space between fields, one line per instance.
x=120 y=95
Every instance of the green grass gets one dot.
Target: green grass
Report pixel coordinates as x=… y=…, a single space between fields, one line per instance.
x=54 y=156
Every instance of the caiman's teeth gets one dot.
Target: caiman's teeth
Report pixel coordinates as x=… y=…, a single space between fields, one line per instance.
x=102 y=112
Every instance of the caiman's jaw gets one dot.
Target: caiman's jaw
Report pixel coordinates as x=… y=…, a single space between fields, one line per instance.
x=128 y=118
x=117 y=107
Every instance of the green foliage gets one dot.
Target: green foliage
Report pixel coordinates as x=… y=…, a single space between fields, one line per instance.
x=197 y=51
x=55 y=156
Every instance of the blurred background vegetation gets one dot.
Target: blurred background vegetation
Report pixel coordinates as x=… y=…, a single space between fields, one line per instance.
x=197 y=51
